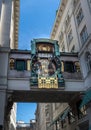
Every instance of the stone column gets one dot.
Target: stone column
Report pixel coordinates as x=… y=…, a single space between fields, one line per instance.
x=0 y=7
x=2 y=108
x=4 y=55
x=3 y=83
x=5 y=23
x=89 y=114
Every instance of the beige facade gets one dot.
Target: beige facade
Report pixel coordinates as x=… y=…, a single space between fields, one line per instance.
x=12 y=124
x=73 y=31
x=68 y=24
x=26 y=126
x=9 y=20
x=43 y=116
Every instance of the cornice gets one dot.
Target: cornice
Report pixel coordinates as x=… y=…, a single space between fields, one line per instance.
x=58 y=17
x=16 y=22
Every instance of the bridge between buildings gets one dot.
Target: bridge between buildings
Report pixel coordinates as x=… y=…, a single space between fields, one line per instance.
x=15 y=85
x=20 y=89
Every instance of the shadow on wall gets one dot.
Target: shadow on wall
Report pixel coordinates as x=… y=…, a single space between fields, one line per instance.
x=12 y=127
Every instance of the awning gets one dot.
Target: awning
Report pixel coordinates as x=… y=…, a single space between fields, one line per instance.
x=56 y=119
x=86 y=98
x=64 y=115
x=89 y=128
x=61 y=116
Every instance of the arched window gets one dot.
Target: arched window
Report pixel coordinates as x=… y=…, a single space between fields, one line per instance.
x=88 y=60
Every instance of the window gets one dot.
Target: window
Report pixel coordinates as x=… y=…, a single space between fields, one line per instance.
x=88 y=61
x=84 y=35
x=75 y=3
x=61 y=36
x=67 y=21
x=70 y=36
x=73 y=49
x=20 y=65
x=89 y=3
x=62 y=47
x=12 y=64
x=68 y=66
x=79 y=16
x=47 y=114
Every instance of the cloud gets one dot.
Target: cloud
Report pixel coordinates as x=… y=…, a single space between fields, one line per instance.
x=42 y=36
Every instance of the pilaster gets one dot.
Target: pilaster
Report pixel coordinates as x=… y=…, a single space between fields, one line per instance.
x=89 y=114
x=4 y=61
x=2 y=108
x=5 y=23
x=0 y=7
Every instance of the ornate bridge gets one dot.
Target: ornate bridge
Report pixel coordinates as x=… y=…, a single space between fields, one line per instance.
x=44 y=74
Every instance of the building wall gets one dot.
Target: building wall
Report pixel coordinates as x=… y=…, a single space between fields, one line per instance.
x=43 y=116
x=81 y=45
x=12 y=125
x=40 y=116
x=72 y=22
x=26 y=126
x=6 y=36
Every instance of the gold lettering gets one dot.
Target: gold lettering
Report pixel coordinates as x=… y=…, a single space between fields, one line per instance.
x=47 y=82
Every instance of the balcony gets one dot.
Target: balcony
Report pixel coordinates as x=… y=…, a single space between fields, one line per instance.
x=19 y=74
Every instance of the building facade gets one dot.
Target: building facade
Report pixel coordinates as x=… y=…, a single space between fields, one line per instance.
x=43 y=116
x=26 y=126
x=12 y=123
x=9 y=21
x=72 y=29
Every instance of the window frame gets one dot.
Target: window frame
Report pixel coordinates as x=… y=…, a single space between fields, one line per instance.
x=84 y=35
x=22 y=67
x=79 y=16
x=70 y=36
x=88 y=61
x=66 y=67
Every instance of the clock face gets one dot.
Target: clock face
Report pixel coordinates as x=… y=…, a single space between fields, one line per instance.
x=42 y=47
x=44 y=67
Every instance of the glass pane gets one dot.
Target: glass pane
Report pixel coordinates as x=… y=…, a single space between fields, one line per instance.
x=69 y=67
x=20 y=65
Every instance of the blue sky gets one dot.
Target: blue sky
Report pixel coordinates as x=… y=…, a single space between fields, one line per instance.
x=26 y=111
x=36 y=21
